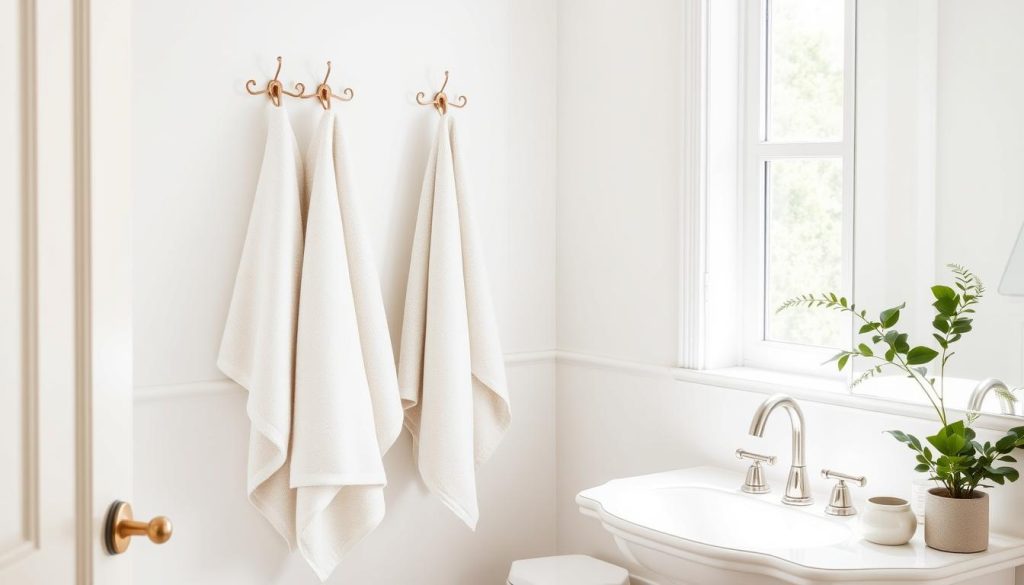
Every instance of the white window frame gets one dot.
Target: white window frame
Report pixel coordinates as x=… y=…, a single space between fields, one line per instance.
x=755 y=150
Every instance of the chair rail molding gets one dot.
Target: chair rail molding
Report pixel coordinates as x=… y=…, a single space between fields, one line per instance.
x=205 y=388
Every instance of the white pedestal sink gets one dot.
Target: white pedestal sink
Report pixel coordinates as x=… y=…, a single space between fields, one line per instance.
x=695 y=527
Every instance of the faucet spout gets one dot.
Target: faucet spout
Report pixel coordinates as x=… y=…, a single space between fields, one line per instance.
x=1006 y=406
x=798 y=491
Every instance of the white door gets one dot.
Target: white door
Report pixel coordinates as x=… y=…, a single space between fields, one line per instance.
x=65 y=308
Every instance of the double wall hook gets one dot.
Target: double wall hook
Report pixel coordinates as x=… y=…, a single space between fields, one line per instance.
x=325 y=94
x=440 y=100
x=274 y=87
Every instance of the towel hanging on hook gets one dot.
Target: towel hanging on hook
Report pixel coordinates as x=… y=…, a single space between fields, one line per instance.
x=274 y=87
x=324 y=93
x=440 y=100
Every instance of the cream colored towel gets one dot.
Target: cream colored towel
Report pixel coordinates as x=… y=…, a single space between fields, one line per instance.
x=258 y=346
x=451 y=370
x=347 y=409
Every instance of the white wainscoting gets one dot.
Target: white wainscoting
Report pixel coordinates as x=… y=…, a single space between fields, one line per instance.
x=190 y=461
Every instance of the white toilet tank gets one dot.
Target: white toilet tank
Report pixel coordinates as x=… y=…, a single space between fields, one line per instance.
x=566 y=570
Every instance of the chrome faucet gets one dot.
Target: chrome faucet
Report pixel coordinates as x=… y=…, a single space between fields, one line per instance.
x=798 y=489
x=1006 y=405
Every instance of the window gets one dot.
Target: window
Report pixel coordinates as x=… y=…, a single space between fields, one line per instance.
x=797 y=177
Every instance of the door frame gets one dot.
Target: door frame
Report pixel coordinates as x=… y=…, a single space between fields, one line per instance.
x=101 y=82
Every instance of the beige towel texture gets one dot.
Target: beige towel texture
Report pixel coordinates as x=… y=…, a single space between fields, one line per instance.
x=347 y=409
x=258 y=346
x=451 y=368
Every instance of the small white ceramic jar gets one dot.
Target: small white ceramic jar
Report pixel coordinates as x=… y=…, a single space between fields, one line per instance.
x=888 y=521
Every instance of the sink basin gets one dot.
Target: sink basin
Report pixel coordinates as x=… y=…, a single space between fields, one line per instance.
x=695 y=527
x=729 y=519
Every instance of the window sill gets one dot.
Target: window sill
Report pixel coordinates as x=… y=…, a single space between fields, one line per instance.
x=831 y=391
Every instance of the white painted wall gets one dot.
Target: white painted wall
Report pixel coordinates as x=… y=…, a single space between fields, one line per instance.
x=618 y=177
x=198 y=138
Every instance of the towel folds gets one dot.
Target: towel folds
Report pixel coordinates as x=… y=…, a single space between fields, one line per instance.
x=347 y=409
x=258 y=346
x=451 y=368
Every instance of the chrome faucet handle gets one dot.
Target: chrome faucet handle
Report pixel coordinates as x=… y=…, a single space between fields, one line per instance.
x=755 y=482
x=756 y=457
x=840 y=503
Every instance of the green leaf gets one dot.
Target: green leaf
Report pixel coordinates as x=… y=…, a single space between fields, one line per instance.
x=922 y=467
x=947 y=307
x=867 y=328
x=1007 y=443
x=961 y=326
x=921 y=355
x=949 y=441
x=901 y=344
x=899 y=436
x=915 y=442
x=890 y=317
x=843 y=360
x=941 y=324
x=1009 y=473
x=943 y=292
x=865 y=350
x=941 y=340
x=969 y=434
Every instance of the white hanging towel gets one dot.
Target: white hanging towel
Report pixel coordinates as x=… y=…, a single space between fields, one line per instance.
x=258 y=346
x=451 y=369
x=347 y=409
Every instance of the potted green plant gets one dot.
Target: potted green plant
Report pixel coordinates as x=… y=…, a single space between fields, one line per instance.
x=956 y=512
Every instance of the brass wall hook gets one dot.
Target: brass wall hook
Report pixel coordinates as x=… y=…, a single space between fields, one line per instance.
x=324 y=93
x=440 y=100
x=274 y=87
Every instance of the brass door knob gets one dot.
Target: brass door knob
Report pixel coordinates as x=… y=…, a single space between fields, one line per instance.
x=121 y=527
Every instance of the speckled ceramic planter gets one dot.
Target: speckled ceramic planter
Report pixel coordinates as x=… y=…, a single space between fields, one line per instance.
x=955 y=525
